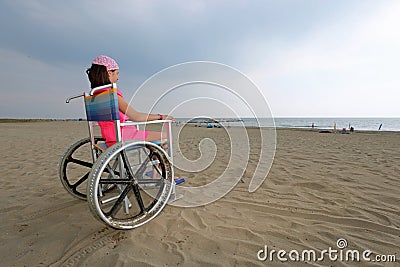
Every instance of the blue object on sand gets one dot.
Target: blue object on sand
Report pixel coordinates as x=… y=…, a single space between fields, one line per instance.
x=180 y=181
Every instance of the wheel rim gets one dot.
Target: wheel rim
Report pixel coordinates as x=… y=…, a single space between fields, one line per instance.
x=136 y=198
x=75 y=167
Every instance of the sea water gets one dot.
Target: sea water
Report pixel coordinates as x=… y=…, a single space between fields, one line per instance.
x=365 y=124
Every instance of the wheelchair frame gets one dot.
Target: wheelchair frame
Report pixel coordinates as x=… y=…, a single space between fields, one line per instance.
x=128 y=183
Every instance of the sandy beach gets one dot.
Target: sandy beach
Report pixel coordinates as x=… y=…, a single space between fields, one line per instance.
x=321 y=188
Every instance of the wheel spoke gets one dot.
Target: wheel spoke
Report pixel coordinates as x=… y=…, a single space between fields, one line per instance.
x=158 y=170
x=80 y=162
x=80 y=181
x=140 y=171
x=138 y=198
x=111 y=170
x=118 y=203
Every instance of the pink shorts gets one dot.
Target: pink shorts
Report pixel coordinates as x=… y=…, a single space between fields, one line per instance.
x=132 y=133
x=127 y=132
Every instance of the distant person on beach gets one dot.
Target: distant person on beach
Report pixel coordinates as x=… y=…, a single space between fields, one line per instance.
x=380 y=126
x=312 y=125
x=105 y=70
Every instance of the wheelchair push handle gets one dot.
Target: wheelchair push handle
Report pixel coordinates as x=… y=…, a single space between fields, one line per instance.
x=112 y=85
x=73 y=97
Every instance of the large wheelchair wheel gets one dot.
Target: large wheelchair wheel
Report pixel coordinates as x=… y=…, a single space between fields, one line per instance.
x=136 y=190
x=75 y=166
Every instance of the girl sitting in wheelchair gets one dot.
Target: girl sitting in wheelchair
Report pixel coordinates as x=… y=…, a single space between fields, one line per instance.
x=105 y=70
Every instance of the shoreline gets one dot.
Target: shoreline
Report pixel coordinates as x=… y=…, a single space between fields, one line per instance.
x=316 y=129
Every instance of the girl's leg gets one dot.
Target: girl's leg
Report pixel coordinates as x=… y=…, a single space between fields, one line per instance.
x=157 y=136
x=154 y=136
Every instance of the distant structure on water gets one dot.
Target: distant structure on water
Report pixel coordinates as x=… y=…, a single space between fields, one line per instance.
x=209 y=122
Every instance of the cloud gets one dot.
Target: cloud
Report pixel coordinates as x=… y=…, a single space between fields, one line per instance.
x=344 y=65
x=299 y=52
x=35 y=89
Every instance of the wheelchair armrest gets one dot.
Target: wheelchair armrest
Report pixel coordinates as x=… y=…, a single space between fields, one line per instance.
x=126 y=123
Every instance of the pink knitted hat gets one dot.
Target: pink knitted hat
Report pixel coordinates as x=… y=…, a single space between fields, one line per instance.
x=106 y=61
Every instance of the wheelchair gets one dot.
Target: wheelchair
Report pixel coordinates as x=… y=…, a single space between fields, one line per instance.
x=127 y=184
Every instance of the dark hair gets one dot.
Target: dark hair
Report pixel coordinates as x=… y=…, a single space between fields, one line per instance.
x=98 y=75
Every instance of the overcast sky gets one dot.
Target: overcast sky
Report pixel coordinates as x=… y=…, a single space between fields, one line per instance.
x=309 y=58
